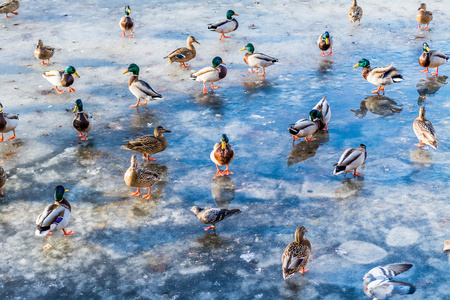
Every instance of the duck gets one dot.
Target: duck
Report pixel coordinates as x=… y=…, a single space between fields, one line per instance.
x=62 y=78
x=183 y=55
x=222 y=155
x=209 y=215
x=424 y=130
x=225 y=26
x=83 y=121
x=355 y=13
x=424 y=16
x=296 y=255
x=55 y=216
x=325 y=42
x=126 y=24
x=257 y=60
x=139 y=88
x=211 y=74
x=432 y=59
x=140 y=177
x=43 y=52
x=305 y=128
x=350 y=160
x=2 y=180
x=380 y=76
x=9 y=6
x=8 y=122
x=149 y=144
x=321 y=111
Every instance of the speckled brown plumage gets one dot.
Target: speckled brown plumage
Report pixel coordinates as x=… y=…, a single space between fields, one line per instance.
x=43 y=52
x=296 y=255
x=424 y=16
x=9 y=6
x=149 y=144
x=424 y=130
x=183 y=55
x=2 y=180
x=355 y=13
x=140 y=177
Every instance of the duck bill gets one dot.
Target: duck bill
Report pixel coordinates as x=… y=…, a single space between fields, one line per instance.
x=76 y=74
x=169 y=131
x=327 y=41
x=243 y=49
x=223 y=63
x=125 y=72
x=196 y=42
x=66 y=191
x=235 y=15
x=75 y=109
x=224 y=144
x=357 y=65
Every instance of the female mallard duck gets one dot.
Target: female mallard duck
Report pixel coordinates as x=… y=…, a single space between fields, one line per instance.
x=424 y=16
x=8 y=122
x=350 y=160
x=305 y=128
x=82 y=122
x=2 y=180
x=183 y=55
x=380 y=76
x=325 y=42
x=9 y=6
x=43 y=52
x=139 y=88
x=296 y=255
x=62 y=78
x=126 y=23
x=225 y=26
x=222 y=155
x=321 y=111
x=424 y=130
x=355 y=13
x=257 y=60
x=211 y=74
x=140 y=178
x=432 y=59
x=209 y=215
x=56 y=216
x=149 y=144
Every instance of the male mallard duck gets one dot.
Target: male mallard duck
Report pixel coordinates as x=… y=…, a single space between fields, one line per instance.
x=8 y=122
x=140 y=177
x=296 y=255
x=424 y=130
x=126 y=23
x=432 y=59
x=225 y=26
x=213 y=216
x=56 y=216
x=82 y=122
x=305 y=128
x=140 y=88
x=350 y=160
x=149 y=144
x=355 y=13
x=62 y=78
x=43 y=52
x=257 y=60
x=321 y=111
x=380 y=76
x=424 y=16
x=378 y=284
x=9 y=6
x=211 y=74
x=325 y=42
x=222 y=155
x=183 y=55
x=2 y=180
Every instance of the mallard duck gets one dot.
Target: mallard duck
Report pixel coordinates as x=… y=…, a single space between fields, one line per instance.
x=82 y=122
x=211 y=74
x=126 y=23
x=380 y=76
x=213 y=216
x=325 y=42
x=225 y=26
x=304 y=128
x=8 y=122
x=2 y=180
x=139 y=88
x=257 y=60
x=56 y=216
x=43 y=52
x=350 y=160
x=62 y=78
x=222 y=155
x=140 y=177
x=432 y=59
x=9 y=6
x=378 y=284
x=355 y=13
x=424 y=130
x=296 y=255
x=321 y=111
x=424 y=16
x=183 y=55
x=149 y=144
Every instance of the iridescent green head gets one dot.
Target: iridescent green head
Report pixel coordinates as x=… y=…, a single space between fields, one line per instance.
x=230 y=14
x=217 y=61
x=362 y=63
x=249 y=47
x=59 y=193
x=127 y=11
x=71 y=70
x=224 y=140
x=133 y=68
x=315 y=114
x=78 y=106
x=425 y=47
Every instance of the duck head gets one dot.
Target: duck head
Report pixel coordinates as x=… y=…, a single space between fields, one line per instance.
x=230 y=14
x=78 y=106
x=217 y=61
x=362 y=63
x=249 y=47
x=71 y=70
x=133 y=68
x=59 y=193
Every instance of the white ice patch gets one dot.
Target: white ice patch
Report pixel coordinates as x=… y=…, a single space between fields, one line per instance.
x=402 y=236
x=361 y=252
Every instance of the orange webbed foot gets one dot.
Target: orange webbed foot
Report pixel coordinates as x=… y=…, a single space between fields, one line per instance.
x=303 y=270
x=15 y=13
x=131 y=36
x=48 y=234
x=84 y=138
x=80 y=134
x=210 y=227
x=227 y=172
x=12 y=138
x=356 y=173
x=146 y=196
x=434 y=73
x=226 y=36
x=295 y=138
x=309 y=139
x=322 y=54
x=71 y=89
x=136 y=194
x=70 y=232
x=205 y=91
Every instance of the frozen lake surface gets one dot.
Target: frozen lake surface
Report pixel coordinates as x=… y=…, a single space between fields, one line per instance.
x=127 y=247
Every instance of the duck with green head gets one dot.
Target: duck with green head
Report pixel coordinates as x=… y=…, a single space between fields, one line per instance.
x=211 y=74
x=432 y=59
x=62 y=78
x=225 y=26
x=82 y=121
x=139 y=88
x=322 y=112
x=325 y=42
x=380 y=76
x=257 y=60
x=222 y=155
x=126 y=24
x=8 y=122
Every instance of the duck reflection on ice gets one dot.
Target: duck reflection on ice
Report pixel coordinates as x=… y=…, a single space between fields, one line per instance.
x=378 y=105
x=307 y=149
x=325 y=66
x=350 y=187
x=430 y=85
x=142 y=118
x=421 y=157
x=223 y=190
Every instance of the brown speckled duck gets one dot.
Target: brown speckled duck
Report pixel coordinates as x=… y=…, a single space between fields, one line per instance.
x=43 y=52
x=2 y=180
x=423 y=16
x=355 y=13
x=296 y=255
x=149 y=144
x=140 y=177
x=222 y=155
x=424 y=130
x=126 y=24
x=9 y=6
x=183 y=55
